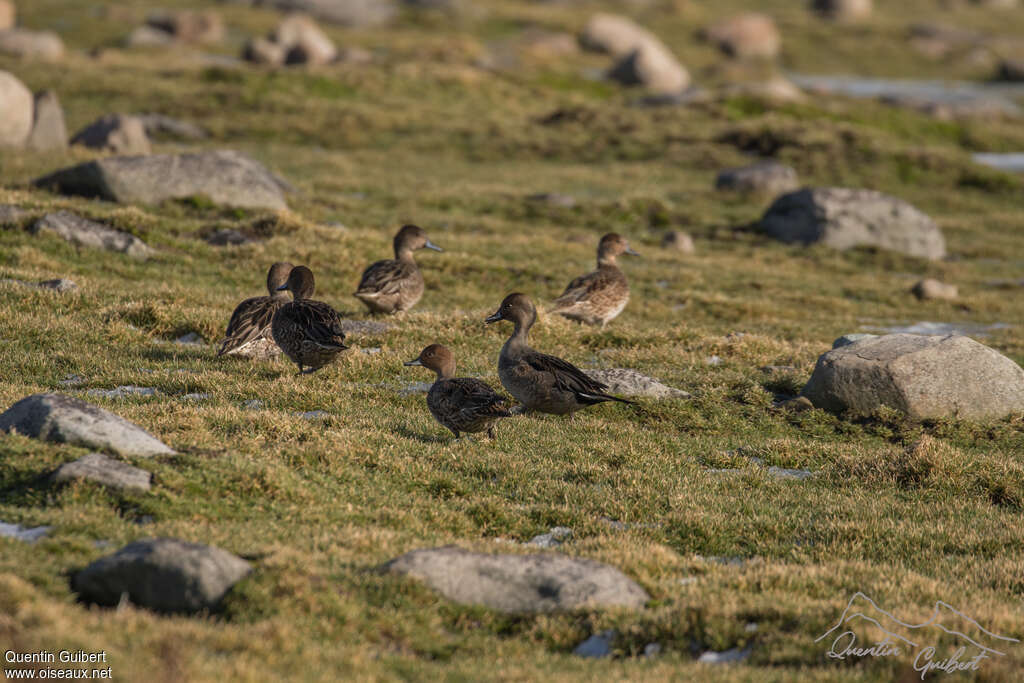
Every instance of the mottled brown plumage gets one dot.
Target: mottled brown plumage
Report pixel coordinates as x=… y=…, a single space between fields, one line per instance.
x=462 y=404
x=248 y=332
x=396 y=284
x=309 y=332
x=597 y=297
x=541 y=382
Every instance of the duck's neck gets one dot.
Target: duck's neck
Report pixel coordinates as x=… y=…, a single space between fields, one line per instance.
x=521 y=332
x=446 y=371
x=607 y=260
x=403 y=254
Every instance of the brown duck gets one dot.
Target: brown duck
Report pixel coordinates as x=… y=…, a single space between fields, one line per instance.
x=248 y=334
x=597 y=297
x=541 y=382
x=462 y=404
x=309 y=332
x=396 y=284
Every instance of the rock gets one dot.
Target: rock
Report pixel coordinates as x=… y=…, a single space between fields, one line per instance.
x=749 y=35
x=843 y=10
x=226 y=177
x=776 y=89
x=596 y=646
x=105 y=471
x=63 y=419
x=60 y=285
x=626 y=382
x=122 y=391
x=253 y=404
x=116 y=134
x=852 y=338
x=228 y=236
x=652 y=66
x=49 y=131
x=20 y=42
x=147 y=36
x=554 y=538
x=520 y=583
x=12 y=216
x=163 y=574
x=764 y=177
x=652 y=650
x=15 y=111
x=264 y=51
x=29 y=535
x=843 y=218
x=713 y=360
x=157 y=125
x=922 y=376
x=726 y=657
x=930 y=288
x=196 y=396
x=679 y=240
x=314 y=415
x=7 y=15
x=354 y=13
x=303 y=41
x=86 y=233
x=613 y=34
x=783 y=473
x=190 y=339
x=189 y=26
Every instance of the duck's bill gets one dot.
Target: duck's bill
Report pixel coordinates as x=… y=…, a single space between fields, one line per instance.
x=431 y=245
x=493 y=318
x=631 y=252
x=415 y=361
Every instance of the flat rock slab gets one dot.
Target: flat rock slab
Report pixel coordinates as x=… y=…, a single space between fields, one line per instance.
x=226 y=177
x=86 y=233
x=844 y=218
x=520 y=583
x=63 y=419
x=922 y=376
x=626 y=382
x=123 y=391
x=163 y=574
x=21 y=533
x=60 y=285
x=104 y=471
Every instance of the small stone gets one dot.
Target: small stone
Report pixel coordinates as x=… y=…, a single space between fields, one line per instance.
x=49 y=131
x=371 y=351
x=12 y=216
x=303 y=41
x=25 y=534
x=190 y=339
x=26 y=44
x=123 y=391
x=198 y=396
x=98 y=468
x=930 y=288
x=554 y=538
x=764 y=177
x=782 y=473
x=713 y=360
x=253 y=404
x=678 y=240
x=727 y=657
x=157 y=125
x=115 y=134
x=750 y=627
x=652 y=66
x=72 y=381
x=652 y=650
x=596 y=646
x=86 y=233
x=746 y=36
x=264 y=51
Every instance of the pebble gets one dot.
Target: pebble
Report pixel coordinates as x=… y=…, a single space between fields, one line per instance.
x=783 y=473
x=122 y=391
x=195 y=397
x=253 y=404
x=554 y=538
x=192 y=338
x=29 y=535
x=596 y=646
x=726 y=657
x=713 y=360
x=314 y=414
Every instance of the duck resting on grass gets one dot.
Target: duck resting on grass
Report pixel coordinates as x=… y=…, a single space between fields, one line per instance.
x=597 y=297
x=462 y=404
x=396 y=284
x=248 y=334
x=309 y=332
x=540 y=382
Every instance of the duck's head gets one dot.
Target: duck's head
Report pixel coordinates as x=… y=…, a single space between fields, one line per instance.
x=300 y=283
x=277 y=276
x=516 y=308
x=437 y=358
x=413 y=237
x=611 y=246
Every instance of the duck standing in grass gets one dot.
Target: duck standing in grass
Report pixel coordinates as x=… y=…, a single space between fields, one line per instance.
x=462 y=404
x=597 y=297
x=248 y=334
x=541 y=382
x=396 y=284
x=309 y=332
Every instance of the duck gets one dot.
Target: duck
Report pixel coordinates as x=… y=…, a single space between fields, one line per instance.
x=396 y=284
x=541 y=383
x=248 y=334
x=308 y=332
x=598 y=297
x=462 y=404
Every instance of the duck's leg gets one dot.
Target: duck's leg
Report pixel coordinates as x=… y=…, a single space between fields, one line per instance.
x=490 y=433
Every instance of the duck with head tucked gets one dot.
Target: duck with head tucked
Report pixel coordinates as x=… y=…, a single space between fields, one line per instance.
x=462 y=404
x=396 y=284
x=540 y=382
x=597 y=297
x=309 y=332
x=248 y=334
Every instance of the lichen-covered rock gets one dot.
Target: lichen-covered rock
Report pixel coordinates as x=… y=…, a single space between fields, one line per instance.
x=86 y=233
x=105 y=471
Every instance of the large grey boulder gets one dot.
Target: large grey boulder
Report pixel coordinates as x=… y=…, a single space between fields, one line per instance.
x=922 y=376
x=86 y=233
x=115 y=134
x=20 y=42
x=226 y=177
x=520 y=583
x=626 y=382
x=105 y=471
x=49 y=132
x=63 y=419
x=15 y=111
x=843 y=218
x=652 y=66
x=164 y=575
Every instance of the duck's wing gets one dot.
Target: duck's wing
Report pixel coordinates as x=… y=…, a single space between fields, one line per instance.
x=568 y=377
x=584 y=288
x=250 y=321
x=385 y=277
x=320 y=323
x=475 y=397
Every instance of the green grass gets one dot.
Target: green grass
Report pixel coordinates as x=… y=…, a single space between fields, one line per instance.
x=907 y=512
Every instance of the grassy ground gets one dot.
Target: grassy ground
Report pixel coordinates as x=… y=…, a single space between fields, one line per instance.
x=909 y=513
